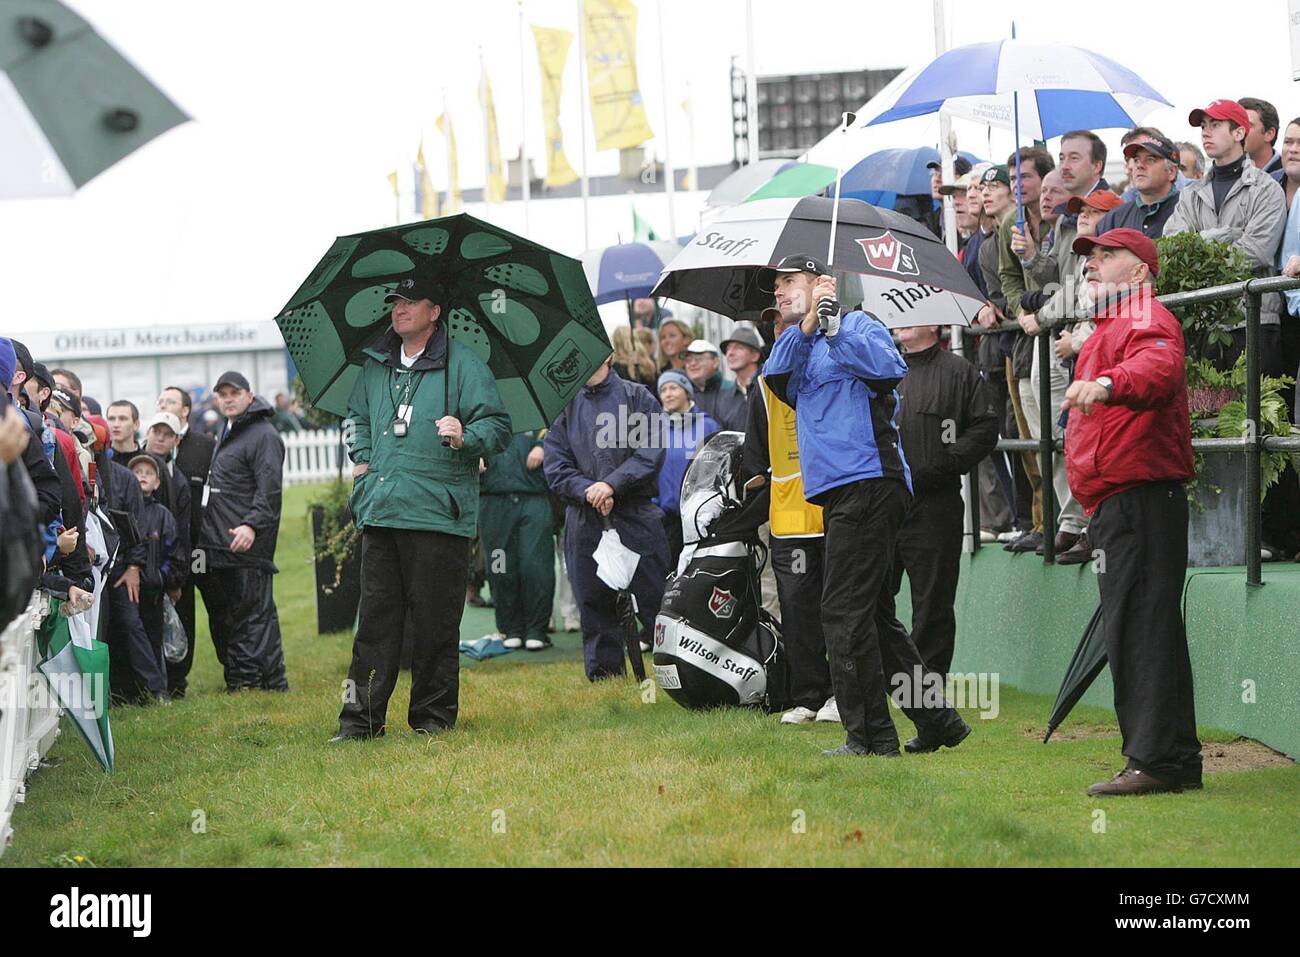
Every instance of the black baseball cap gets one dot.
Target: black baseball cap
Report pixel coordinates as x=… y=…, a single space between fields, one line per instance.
x=996 y=174
x=24 y=357
x=960 y=165
x=232 y=378
x=1163 y=149
x=415 y=289
x=67 y=400
x=799 y=262
x=42 y=375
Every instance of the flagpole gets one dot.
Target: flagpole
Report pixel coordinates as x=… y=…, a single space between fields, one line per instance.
x=446 y=140
x=582 y=113
x=669 y=175
x=751 y=84
x=487 y=134
x=693 y=170
x=525 y=183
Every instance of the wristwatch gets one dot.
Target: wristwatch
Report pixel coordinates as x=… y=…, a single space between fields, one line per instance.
x=1106 y=383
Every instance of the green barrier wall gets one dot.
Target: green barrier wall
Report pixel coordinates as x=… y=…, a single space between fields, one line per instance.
x=1022 y=620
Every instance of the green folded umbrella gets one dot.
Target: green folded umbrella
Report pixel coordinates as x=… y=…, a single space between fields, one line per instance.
x=70 y=105
x=525 y=309
x=805 y=179
x=76 y=668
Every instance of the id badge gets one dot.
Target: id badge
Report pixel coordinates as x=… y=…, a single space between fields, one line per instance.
x=404 y=413
x=207 y=490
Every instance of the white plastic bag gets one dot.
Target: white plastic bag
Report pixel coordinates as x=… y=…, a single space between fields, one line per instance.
x=176 y=644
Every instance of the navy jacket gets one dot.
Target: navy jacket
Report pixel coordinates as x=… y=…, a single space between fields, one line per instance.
x=612 y=433
x=165 y=564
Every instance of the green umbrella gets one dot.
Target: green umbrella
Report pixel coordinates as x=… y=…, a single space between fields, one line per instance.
x=795 y=183
x=76 y=667
x=526 y=310
x=70 y=105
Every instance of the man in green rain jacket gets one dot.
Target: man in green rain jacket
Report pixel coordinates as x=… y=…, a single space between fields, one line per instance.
x=420 y=418
x=517 y=529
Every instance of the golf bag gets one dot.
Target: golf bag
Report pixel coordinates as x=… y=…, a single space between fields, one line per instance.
x=714 y=645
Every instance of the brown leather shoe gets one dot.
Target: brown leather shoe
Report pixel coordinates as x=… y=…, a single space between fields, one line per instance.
x=1064 y=542
x=1132 y=781
x=1078 y=554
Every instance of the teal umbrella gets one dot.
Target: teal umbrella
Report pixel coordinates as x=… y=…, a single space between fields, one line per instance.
x=70 y=105
x=803 y=179
x=525 y=309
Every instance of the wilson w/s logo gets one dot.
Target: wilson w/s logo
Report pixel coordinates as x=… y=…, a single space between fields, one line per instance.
x=888 y=253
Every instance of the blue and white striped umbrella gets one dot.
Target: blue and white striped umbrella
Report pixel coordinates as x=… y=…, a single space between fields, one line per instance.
x=1061 y=88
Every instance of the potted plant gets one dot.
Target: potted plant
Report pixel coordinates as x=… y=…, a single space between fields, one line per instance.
x=1217 y=397
x=337 y=558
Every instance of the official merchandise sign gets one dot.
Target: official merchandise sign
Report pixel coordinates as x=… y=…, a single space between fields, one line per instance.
x=118 y=342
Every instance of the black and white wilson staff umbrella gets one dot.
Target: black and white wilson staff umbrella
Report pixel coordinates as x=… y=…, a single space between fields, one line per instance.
x=908 y=276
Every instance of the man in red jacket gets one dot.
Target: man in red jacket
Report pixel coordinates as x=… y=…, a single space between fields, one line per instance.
x=1128 y=451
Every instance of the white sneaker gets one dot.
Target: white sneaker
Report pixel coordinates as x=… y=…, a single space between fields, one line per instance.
x=536 y=644
x=987 y=536
x=512 y=643
x=830 y=711
x=572 y=624
x=1010 y=536
x=799 y=715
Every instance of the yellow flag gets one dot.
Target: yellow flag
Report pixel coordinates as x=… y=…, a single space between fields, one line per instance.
x=494 y=191
x=552 y=52
x=426 y=197
x=453 y=204
x=617 y=113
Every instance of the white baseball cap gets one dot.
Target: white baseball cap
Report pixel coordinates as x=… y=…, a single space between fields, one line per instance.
x=699 y=346
x=162 y=418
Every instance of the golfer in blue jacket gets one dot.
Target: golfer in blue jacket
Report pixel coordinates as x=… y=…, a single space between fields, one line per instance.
x=839 y=374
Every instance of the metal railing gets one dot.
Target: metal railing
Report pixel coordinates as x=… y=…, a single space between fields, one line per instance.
x=1253 y=444
x=26 y=730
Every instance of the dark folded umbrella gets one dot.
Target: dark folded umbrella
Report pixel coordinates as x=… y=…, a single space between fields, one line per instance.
x=1088 y=661
x=625 y=604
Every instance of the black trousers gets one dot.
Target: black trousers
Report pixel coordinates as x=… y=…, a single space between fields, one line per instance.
x=135 y=667
x=178 y=672
x=424 y=575
x=1142 y=534
x=245 y=626
x=870 y=651
x=929 y=550
x=800 y=567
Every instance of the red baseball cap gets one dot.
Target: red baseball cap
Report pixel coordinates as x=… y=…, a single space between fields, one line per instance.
x=1134 y=240
x=1100 y=199
x=1221 y=110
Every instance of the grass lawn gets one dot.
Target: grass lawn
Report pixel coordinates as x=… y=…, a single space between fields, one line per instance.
x=547 y=769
